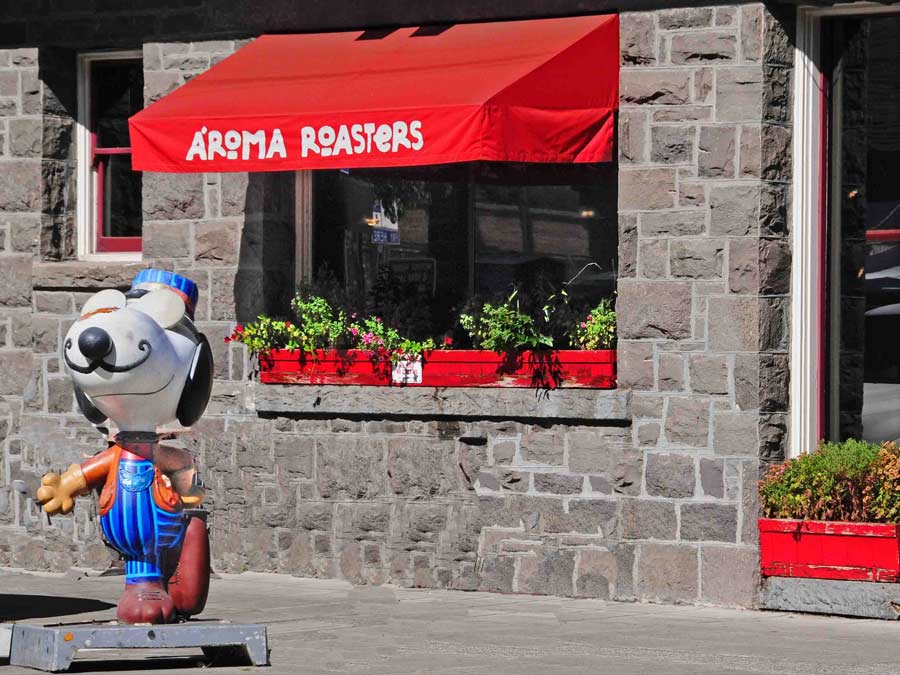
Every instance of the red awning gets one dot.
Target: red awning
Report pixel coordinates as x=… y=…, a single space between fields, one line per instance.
x=517 y=91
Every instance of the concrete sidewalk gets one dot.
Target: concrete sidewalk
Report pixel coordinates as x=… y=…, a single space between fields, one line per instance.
x=324 y=626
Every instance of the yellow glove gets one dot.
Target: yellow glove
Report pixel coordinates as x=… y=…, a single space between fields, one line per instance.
x=57 y=493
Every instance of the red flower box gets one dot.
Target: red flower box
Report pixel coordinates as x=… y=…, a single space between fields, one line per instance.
x=447 y=368
x=326 y=366
x=548 y=369
x=828 y=550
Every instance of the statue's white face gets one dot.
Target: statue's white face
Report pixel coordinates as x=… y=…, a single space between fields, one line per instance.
x=125 y=360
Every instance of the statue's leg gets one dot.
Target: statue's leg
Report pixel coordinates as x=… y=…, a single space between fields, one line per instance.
x=189 y=583
x=145 y=599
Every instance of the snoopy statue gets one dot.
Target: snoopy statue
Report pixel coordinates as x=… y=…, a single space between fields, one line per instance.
x=137 y=360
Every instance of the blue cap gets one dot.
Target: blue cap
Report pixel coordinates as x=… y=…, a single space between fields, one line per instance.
x=153 y=278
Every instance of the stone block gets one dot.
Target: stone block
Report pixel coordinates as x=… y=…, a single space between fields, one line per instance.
x=60 y=395
x=15 y=280
x=668 y=572
x=671 y=372
x=216 y=243
x=166 y=239
x=672 y=144
x=627 y=245
x=9 y=83
x=159 y=83
x=687 y=17
x=743 y=266
x=725 y=16
x=739 y=94
x=294 y=455
x=712 y=472
x=734 y=323
x=687 y=421
x=596 y=573
x=752 y=32
x=654 y=309
x=648 y=433
x=420 y=468
x=422 y=522
x=735 y=434
x=633 y=137
x=653 y=258
x=24 y=232
x=607 y=452
x=543 y=446
x=776 y=94
x=683 y=223
x=669 y=475
x=708 y=373
x=45 y=334
x=590 y=516
x=25 y=136
x=56 y=142
x=746 y=381
x=709 y=522
x=774 y=267
x=559 y=484
x=550 y=572
x=646 y=189
x=683 y=113
x=703 y=47
x=644 y=86
x=729 y=576
x=772 y=436
x=697 y=258
x=495 y=574
x=637 y=38
x=503 y=452
x=734 y=210
x=312 y=515
x=16 y=366
x=20 y=185
x=774 y=382
x=635 y=365
x=172 y=196
x=751 y=152
x=234 y=193
x=350 y=467
x=716 y=154
x=775 y=152
x=648 y=519
x=53 y=302
x=471 y=461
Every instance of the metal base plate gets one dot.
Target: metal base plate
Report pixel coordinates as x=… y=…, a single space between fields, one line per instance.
x=52 y=648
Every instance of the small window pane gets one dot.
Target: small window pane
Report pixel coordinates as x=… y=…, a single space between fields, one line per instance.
x=122 y=197
x=118 y=93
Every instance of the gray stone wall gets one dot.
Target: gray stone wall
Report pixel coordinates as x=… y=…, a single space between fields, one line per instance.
x=657 y=503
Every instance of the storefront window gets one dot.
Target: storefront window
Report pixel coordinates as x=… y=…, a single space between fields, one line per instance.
x=863 y=364
x=418 y=248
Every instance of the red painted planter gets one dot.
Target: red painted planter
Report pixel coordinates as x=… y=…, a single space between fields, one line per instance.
x=543 y=369
x=447 y=368
x=327 y=366
x=826 y=550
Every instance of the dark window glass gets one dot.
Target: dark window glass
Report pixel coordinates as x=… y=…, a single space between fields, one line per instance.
x=122 y=196
x=863 y=366
x=118 y=94
x=418 y=251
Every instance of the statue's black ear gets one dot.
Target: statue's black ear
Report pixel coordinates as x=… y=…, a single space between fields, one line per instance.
x=88 y=409
x=198 y=385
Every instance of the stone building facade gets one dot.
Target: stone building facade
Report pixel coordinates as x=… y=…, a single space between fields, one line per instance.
x=646 y=492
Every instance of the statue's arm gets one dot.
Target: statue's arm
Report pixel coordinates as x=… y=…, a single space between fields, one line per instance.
x=57 y=492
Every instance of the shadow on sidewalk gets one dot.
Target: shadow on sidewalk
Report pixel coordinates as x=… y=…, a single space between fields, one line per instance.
x=17 y=606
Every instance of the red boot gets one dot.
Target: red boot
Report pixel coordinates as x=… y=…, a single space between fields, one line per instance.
x=189 y=584
x=145 y=602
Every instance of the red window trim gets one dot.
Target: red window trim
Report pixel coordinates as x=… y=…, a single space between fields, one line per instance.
x=882 y=236
x=99 y=164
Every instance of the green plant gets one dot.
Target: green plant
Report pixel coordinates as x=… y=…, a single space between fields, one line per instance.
x=828 y=484
x=265 y=334
x=503 y=328
x=318 y=326
x=598 y=329
x=881 y=494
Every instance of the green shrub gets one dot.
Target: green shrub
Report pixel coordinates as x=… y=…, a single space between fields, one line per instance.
x=851 y=481
x=503 y=328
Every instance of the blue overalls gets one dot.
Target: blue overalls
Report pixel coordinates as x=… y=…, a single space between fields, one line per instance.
x=136 y=526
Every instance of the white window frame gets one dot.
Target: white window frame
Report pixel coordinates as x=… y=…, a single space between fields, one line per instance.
x=806 y=271
x=85 y=181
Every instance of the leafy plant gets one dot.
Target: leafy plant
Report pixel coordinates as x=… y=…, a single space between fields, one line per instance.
x=318 y=325
x=881 y=494
x=598 y=330
x=831 y=483
x=503 y=328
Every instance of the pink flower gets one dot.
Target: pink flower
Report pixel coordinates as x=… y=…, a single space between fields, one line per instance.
x=354 y=331
x=583 y=324
x=448 y=341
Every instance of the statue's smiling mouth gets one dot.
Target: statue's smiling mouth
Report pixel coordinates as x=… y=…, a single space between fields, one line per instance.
x=143 y=346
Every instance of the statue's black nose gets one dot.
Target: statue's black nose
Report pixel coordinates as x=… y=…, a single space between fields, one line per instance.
x=94 y=343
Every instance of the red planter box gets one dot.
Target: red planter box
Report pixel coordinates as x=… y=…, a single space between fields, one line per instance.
x=328 y=366
x=447 y=368
x=825 y=550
